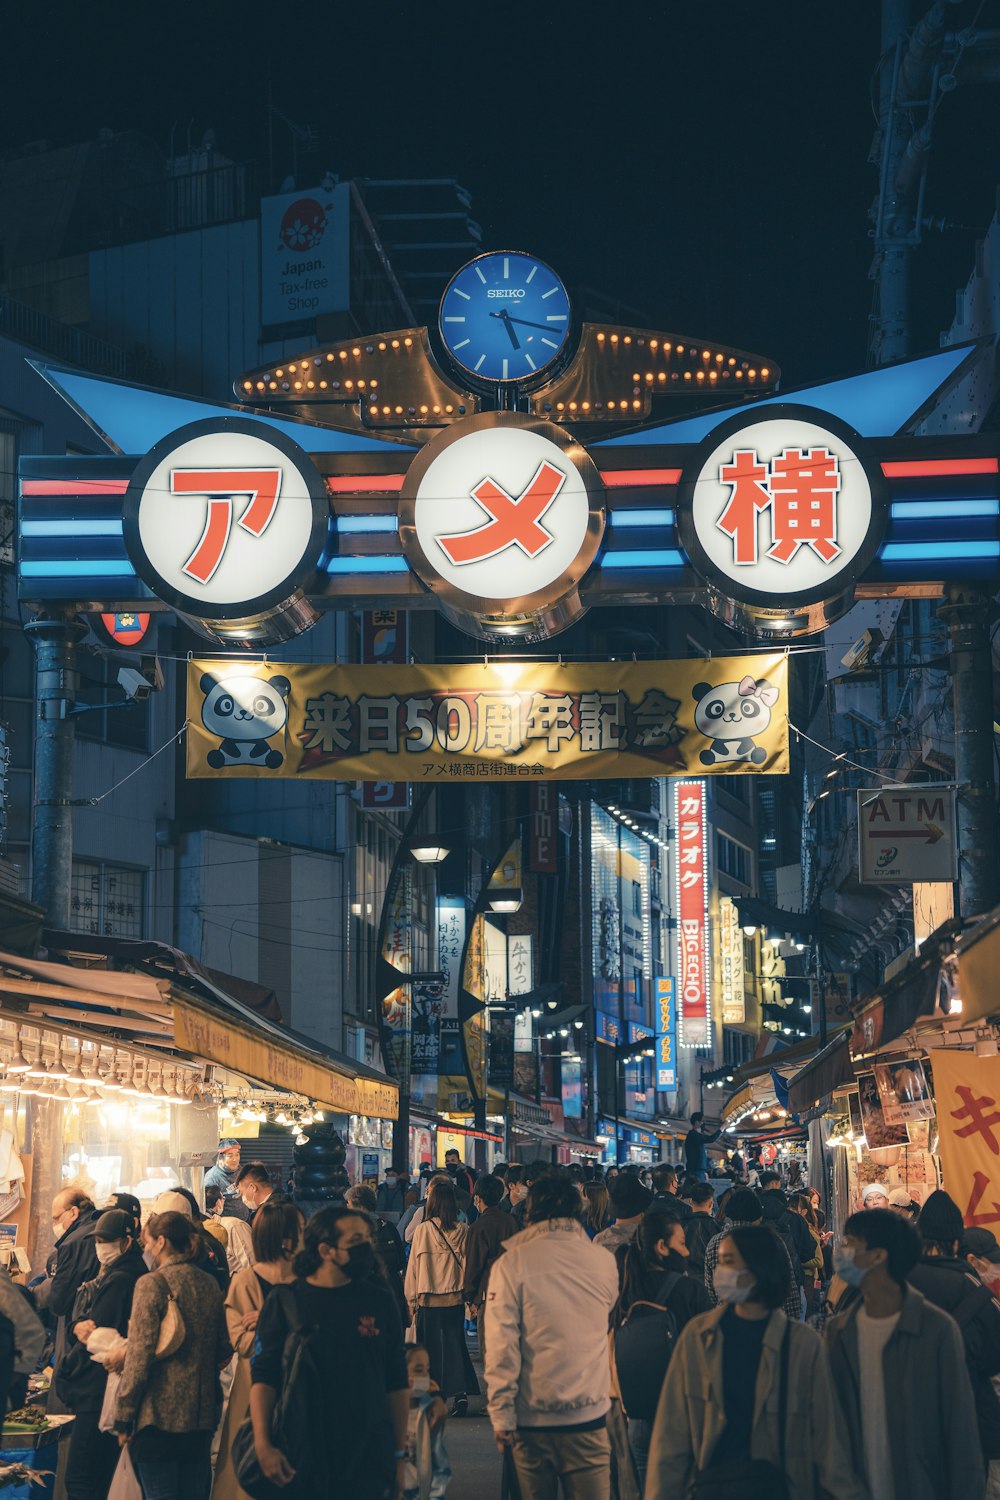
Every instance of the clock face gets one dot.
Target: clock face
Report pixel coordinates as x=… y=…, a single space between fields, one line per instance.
x=505 y=317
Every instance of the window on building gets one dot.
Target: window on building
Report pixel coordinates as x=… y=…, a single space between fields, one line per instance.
x=108 y=900
x=125 y=722
x=735 y=859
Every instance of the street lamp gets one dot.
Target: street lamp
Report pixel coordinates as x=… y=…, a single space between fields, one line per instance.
x=505 y=900
x=429 y=853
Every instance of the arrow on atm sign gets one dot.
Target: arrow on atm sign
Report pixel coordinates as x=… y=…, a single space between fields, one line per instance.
x=930 y=833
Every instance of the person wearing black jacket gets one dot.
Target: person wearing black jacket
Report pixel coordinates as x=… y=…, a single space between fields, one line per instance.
x=105 y=1302
x=700 y=1228
x=946 y=1280
x=483 y=1246
x=791 y=1227
x=666 y=1191
x=658 y=1248
x=74 y=1261
x=387 y=1243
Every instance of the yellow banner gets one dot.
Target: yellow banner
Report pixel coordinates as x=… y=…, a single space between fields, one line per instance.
x=967 y=1094
x=257 y=1056
x=488 y=722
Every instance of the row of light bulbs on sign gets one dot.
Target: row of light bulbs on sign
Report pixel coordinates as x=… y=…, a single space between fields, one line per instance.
x=121 y=1076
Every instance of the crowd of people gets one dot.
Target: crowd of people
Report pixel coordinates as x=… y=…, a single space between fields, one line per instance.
x=640 y=1338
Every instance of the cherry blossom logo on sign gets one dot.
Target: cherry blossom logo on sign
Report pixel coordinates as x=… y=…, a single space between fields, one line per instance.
x=225 y=518
x=501 y=513
x=782 y=507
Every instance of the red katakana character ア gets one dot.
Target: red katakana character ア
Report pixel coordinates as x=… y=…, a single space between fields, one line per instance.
x=974 y=1110
x=804 y=486
x=748 y=478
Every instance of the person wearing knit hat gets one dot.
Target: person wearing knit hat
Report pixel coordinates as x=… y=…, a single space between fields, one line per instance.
x=901 y=1203
x=744 y=1207
x=944 y=1278
x=875 y=1195
x=629 y=1201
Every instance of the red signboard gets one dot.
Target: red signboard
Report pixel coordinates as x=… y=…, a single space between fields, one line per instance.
x=543 y=826
x=691 y=873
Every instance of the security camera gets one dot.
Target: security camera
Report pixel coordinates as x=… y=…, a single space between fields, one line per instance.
x=864 y=650
x=138 y=682
x=133 y=684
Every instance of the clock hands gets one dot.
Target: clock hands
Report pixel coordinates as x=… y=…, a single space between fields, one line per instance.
x=524 y=322
x=507 y=320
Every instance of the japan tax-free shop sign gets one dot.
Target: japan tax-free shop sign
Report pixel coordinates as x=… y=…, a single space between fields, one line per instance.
x=488 y=722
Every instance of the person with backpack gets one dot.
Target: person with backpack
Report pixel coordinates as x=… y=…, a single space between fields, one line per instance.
x=329 y=1370
x=945 y=1279
x=790 y=1226
x=747 y=1408
x=658 y=1298
x=435 y=1282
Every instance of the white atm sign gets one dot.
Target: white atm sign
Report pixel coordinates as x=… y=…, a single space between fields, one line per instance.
x=907 y=836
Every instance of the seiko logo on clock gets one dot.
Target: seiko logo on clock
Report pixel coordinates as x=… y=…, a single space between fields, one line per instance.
x=497 y=291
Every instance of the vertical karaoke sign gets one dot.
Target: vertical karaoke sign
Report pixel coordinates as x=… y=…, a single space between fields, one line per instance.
x=691 y=892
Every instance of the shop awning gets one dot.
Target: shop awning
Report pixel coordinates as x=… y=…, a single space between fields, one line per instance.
x=979 y=968
x=157 y=1014
x=828 y=1070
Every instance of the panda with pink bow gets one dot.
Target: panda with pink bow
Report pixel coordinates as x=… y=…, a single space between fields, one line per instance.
x=730 y=715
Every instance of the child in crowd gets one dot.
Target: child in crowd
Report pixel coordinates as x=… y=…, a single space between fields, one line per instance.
x=428 y=1469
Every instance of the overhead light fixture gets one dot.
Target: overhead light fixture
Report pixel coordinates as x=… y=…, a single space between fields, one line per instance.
x=18 y=1063
x=10 y=1083
x=749 y=928
x=429 y=853
x=37 y=1069
x=505 y=900
x=58 y=1068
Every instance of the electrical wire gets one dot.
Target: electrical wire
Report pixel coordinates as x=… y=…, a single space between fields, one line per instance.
x=93 y=801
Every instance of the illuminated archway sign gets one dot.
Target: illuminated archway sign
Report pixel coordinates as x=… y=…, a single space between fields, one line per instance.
x=367 y=474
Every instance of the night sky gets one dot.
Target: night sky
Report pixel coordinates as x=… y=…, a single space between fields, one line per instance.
x=705 y=163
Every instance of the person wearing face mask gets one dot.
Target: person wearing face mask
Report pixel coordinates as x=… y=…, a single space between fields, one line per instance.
x=945 y=1279
x=747 y=1408
x=900 y=1373
x=168 y=1407
x=73 y=1262
x=104 y=1302
x=653 y=1270
x=458 y=1172
x=428 y=1467
x=982 y=1252
x=391 y=1196
x=276 y=1233
x=358 y=1404
x=435 y=1279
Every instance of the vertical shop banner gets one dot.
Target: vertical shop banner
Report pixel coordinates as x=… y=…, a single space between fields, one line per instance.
x=572 y=1089
x=451 y=926
x=427 y=1006
x=397 y=950
x=473 y=1015
x=520 y=981
x=691 y=891
x=734 y=1008
x=501 y=1070
x=666 y=1033
x=967 y=1093
x=385 y=640
x=543 y=825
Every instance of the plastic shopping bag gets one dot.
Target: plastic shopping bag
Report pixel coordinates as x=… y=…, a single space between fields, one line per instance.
x=125 y=1485
x=106 y=1421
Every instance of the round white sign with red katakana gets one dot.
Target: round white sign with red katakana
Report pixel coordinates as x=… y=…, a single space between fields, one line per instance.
x=501 y=512
x=225 y=518
x=782 y=507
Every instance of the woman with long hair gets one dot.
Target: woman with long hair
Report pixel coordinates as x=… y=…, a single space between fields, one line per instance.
x=598 y=1207
x=355 y=1397
x=653 y=1271
x=435 y=1277
x=276 y=1233
x=748 y=1407
x=168 y=1405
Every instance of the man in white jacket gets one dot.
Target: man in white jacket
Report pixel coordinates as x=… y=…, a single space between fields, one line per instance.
x=547 y=1368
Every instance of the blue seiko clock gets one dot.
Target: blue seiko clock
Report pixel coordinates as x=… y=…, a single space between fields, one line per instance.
x=505 y=317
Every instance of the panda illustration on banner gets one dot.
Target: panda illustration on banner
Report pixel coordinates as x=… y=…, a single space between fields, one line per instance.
x=730 y=715
x=244 y=713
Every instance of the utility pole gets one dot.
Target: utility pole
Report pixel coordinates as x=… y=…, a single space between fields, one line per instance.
x=56 y=682
x=893 y=247
x=966 y=611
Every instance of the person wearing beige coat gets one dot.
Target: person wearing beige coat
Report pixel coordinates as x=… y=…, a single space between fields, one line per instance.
x=435 y=1279
x=276 y=1233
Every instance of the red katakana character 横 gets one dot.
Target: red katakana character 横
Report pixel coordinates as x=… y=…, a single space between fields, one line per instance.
x=804 y=486
x=748 y=478
x=974 y=1110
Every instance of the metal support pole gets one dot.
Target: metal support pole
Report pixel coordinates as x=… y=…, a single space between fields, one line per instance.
x=56 y=684
x=894 y=219
x=966 y=611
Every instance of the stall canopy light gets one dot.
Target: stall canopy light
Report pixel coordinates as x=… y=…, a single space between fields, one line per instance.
x=429 y=853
